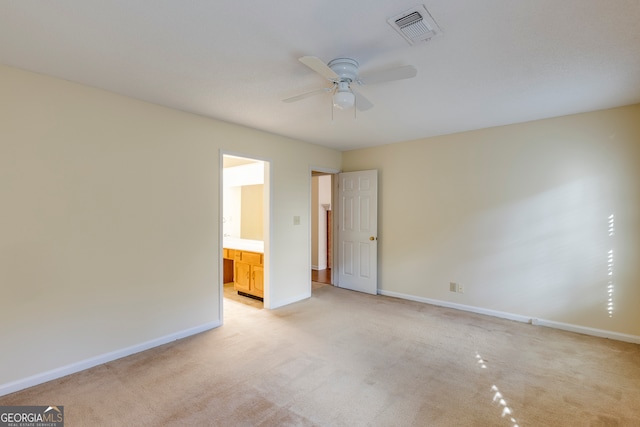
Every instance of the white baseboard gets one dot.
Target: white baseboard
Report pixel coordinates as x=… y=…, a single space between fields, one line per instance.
x=519 y=318
x=587 y=331
x=101 y=359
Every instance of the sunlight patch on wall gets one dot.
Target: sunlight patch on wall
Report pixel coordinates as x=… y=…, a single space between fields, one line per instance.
x=610 y=282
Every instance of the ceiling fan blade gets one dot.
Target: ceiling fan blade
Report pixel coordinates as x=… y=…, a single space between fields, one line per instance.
x=319 y=67
x=307 y=94
x=362 y=103
x=392 y=74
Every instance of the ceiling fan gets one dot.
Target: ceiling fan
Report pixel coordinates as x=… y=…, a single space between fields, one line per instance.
x=342 y=73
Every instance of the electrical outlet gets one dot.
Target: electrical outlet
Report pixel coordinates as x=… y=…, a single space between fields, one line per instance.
x=460 y=289
x=453 y=287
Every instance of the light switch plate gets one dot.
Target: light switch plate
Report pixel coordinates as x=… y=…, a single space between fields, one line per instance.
x=296 y=220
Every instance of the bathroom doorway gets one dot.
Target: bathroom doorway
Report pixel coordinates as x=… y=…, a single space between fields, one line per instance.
x=245 y=232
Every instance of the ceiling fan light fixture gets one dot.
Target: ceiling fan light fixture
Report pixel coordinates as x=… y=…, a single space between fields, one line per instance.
x=343 y=98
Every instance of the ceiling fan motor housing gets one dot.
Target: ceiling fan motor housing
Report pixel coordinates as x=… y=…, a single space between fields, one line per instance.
x=345 y=68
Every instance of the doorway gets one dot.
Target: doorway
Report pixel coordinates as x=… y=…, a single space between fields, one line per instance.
x=322 y=232
x=244 y=231
x=352 y=238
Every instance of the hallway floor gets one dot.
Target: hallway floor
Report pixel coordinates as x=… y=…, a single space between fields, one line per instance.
x=322 y=276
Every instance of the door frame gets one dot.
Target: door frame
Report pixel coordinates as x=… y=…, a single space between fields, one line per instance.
x=334 y=173
x=266 y=225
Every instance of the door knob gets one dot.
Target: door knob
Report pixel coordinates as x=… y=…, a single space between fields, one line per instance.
x=372 y=238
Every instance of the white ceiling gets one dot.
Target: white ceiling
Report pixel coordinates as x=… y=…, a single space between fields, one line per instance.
x=496 y=61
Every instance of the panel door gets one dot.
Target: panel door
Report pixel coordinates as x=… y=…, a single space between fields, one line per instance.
x=358 y=231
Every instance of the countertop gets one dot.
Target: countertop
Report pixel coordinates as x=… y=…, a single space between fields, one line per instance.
x=243 y=244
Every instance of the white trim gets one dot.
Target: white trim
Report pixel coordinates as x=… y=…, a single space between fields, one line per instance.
x=462 y=307
x=220 y=236
x=587 y=331
x=72 y=368
x=267 y=233
x=519 y=318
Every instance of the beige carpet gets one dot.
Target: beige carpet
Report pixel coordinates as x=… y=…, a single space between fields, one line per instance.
x=343 y=358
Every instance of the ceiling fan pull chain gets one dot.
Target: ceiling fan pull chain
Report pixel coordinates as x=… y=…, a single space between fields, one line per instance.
x=332 y=108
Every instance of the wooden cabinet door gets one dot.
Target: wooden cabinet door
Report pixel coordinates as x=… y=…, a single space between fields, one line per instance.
x=243 y=277
x=257 y=280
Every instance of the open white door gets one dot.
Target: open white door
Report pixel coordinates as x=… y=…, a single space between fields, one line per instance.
x=358 y=231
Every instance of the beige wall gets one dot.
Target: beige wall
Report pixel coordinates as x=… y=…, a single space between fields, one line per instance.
x=110 y=220
x=518 y=215
x=252 y=212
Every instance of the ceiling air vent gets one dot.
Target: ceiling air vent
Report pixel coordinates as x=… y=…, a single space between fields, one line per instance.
x=415 y=25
